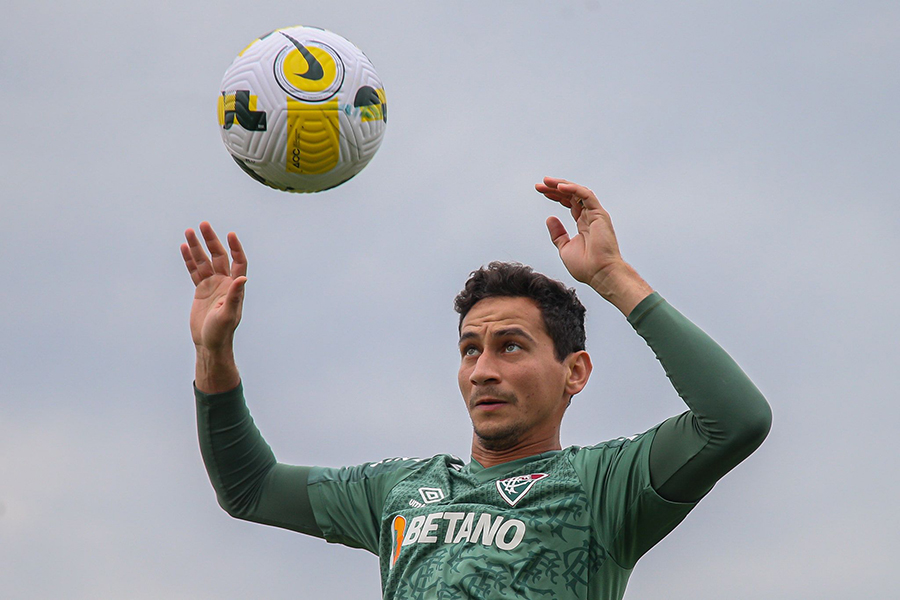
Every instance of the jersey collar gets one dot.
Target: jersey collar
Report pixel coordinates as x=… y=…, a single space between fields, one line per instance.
x=497 y=471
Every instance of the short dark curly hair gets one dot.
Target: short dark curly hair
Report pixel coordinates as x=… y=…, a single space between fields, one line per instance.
x=561 y=309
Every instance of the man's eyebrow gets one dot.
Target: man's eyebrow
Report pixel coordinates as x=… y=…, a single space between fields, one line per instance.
x=513 y=332
x=467 y=336
x=505 y=332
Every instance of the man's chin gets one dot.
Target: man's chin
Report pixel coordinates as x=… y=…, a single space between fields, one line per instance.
x=498 y=439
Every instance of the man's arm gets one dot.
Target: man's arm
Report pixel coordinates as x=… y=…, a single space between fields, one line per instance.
x=249 y=483
x=729 y=417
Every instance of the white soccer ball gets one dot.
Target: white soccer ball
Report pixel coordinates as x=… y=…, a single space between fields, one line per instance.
x=301 y=109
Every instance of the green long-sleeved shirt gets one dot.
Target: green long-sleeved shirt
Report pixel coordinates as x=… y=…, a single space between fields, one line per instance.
x=635 y=490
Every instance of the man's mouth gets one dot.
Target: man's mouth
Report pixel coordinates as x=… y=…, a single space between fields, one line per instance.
x=488 y=406
x=489 y=403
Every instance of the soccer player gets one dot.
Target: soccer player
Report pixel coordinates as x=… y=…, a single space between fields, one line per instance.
x=525 y=517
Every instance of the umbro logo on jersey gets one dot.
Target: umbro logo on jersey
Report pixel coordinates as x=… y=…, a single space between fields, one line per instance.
x=431 y=495
x=514 y=489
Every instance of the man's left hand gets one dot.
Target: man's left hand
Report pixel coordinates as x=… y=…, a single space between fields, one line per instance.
x=593 y=255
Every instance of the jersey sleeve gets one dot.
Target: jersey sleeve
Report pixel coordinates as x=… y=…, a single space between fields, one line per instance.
x=629 y=516
x=342 y=505
x=249 y=483
x=348 y=502
x=728 y=417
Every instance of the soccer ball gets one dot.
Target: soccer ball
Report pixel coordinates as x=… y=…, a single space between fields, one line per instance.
x=302 y=110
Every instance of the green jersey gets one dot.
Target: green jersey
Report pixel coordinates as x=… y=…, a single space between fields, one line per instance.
x=566 y=524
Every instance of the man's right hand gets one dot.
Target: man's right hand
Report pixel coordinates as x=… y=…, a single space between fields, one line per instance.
x=216 y=311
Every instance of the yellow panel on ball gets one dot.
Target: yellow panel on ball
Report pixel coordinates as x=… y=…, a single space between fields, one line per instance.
x=313 y=137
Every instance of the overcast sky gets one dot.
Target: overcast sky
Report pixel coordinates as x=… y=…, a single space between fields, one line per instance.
x=748 y=154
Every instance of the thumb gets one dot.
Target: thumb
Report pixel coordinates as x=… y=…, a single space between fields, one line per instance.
x=235 y=294
x=557 y=232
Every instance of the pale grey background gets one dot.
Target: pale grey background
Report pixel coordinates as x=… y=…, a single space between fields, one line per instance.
x=748 y=154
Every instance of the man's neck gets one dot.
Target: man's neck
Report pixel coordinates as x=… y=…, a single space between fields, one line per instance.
x=488 y=458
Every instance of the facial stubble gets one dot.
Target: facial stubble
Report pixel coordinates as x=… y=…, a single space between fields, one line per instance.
x=506 y=437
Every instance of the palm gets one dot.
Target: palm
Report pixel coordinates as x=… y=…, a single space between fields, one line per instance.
x=218 y=299
x=209 y=319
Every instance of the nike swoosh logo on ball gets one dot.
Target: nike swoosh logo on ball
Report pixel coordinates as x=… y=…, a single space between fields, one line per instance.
x=314 y=70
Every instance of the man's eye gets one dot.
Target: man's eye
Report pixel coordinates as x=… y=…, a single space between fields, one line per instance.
x=470 y=351
x=512 y=347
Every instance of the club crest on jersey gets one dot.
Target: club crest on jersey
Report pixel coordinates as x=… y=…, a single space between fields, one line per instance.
x=514 y=489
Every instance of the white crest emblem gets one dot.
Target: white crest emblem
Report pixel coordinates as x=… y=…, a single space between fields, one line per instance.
x=514 y=489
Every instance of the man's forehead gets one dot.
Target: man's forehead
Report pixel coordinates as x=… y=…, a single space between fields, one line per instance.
x=504 y=311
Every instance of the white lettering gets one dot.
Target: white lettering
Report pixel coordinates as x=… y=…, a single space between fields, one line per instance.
x=429 y=528
x=516 y=538
x=415 y=529
x=466 y=529
x=453 y=518
x=487 y=529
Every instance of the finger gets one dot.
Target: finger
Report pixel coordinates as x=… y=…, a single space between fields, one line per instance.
x=234 y=298
x=560 y=190
x=238 y=258
x=190 y=263
x=554 y=194
x=558 y=233
x=201 y=261
x=554 y=182
x=216 y=249
x=549 y=185
x=576 y=209
x=579 y=194
x=235 y=292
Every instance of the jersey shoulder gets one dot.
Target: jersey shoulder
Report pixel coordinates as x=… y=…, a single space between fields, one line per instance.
x=393 y=469
x=348 y=501
x=614 y=461
x=616 y=447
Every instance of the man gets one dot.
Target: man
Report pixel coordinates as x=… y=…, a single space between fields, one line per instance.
x=524 y=518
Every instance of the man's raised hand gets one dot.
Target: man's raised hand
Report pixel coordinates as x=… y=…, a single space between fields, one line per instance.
x=218 y=302
x=592 y=256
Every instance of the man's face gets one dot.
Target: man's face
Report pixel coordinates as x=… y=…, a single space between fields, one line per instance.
x=514 y=387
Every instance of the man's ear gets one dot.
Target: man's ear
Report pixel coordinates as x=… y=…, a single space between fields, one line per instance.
x=580 y=367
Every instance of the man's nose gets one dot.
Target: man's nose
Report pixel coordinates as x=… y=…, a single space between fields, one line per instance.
x=485 y=371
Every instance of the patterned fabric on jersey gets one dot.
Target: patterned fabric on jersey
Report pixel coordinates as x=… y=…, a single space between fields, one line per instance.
x=566 y=524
